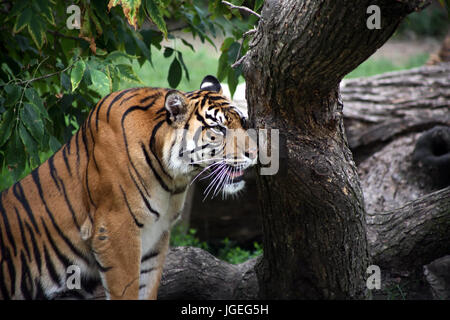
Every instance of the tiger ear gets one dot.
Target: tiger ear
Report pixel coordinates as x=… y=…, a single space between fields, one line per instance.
x=175 y=105
x=210 y=83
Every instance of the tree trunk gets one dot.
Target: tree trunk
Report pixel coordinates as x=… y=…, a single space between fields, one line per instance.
x=313 y=215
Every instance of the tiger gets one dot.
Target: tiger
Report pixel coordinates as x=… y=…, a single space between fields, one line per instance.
x=104 y=204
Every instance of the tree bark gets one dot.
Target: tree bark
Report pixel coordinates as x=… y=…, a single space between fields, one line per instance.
x=313 y=215
x=411 y=236
x=381 y=108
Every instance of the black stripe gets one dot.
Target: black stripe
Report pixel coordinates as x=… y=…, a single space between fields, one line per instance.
x=142 y=286
x=40 y=293
x=26 y=286
x=61 y=257
x=147 y=204
x=128 y=98
x=18 y=193
x=155 y=173
x=78 y=148
x=153 y=146
x=3 y=289
x=140 y=225
x=51 y=268
x=92 y=138
x=53 y=172
x=84 y=140
x=161 y=110
x=200 y=118
x=102 y=268
x=88 y=190
x=202 y=102
x=7 y=227
x=66 y=161
x=215 y=98
x=131 y=109
x=36 y=179
x=36 y=252
x=149 y=255
x=22 y=234
x=99 y=105
x=116 y=98
x=147 y=270
x=11 y=271
x=55 y=225
x=183 y=140
x=68 y=143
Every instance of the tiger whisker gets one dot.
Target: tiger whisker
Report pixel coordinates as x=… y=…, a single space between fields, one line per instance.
x=206 y=168
x=223 y=170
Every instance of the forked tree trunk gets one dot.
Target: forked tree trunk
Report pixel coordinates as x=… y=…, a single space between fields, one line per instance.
x=313 y=213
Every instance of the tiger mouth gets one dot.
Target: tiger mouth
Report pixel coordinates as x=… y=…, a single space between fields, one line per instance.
x=236 y=175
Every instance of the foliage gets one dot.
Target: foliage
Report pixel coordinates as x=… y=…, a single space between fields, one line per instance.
x=55 y=67
x=235 y=255
x=432 y=21
x=180 y=237
x=228 y=251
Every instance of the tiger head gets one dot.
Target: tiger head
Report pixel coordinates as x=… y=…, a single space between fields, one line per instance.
x=211 y=137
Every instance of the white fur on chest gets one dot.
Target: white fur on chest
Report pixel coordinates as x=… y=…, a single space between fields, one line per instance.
x=155 y=227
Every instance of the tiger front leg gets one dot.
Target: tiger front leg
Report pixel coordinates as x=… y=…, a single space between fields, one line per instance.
x=152 y=264
x=117 y=249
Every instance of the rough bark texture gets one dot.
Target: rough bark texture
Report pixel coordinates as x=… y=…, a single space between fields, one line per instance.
x=437 y=274
x=192 y=273
x=413 y=235
x=313 y=215
x=381 y=108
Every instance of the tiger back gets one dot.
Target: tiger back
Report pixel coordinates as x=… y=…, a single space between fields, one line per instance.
x=103 y=205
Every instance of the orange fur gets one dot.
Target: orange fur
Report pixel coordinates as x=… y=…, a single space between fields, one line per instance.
x=106 y=200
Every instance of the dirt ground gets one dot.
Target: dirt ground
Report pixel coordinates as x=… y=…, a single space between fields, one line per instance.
x=398 y=50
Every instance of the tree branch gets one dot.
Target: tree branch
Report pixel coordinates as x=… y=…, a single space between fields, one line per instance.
x=411 y=236
x=232 y=6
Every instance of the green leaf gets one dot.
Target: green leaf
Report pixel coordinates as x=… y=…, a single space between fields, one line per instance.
x=77 y=73
x=100 y=82
x=226 y=44
x=35 y=100
x=54 y=144
x=188 y=44
x=186 y=71
x=12 y=94
x=223 y=66
x=47 y=10
x=32 y=121
x=15 y=158
x=37 y=32
x=156 y=16
x=98 y=25
x=23 y=19
x=258 y=4
x=6 y=126
x=29 y=143
x=168 y=52
x=143 y=47
x=130 y=9
x=232 y=81
x=65 y=82
x=174 y=77
x=233 y=52
x=128 y=73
